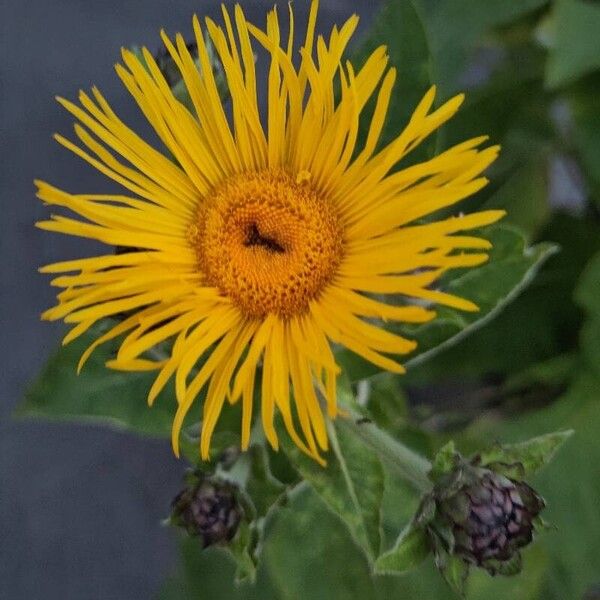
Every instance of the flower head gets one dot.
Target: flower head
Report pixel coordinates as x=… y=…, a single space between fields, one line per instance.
x=491 y=518
x=263 y=244
x=209 y=509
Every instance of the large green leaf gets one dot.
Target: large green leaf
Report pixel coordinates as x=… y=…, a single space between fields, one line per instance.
x=98 y=394
x=209 y=575
x=352 y=485
x=524 y=196
x=575 y=50
x=511 y=268
x=453 y=27
x=118 y=398
x=311 y=555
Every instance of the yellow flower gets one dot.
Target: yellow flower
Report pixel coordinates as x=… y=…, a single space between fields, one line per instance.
x=260 y=248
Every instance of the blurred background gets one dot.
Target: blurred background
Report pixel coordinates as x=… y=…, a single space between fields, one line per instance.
x=80 y=505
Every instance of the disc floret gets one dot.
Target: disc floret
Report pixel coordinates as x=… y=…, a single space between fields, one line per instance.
x=269 y=242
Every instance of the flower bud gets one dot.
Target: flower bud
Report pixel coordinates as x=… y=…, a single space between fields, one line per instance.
x=491 y=517
x=209 y=509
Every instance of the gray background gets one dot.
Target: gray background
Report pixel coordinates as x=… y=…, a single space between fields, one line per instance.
x=79 y=505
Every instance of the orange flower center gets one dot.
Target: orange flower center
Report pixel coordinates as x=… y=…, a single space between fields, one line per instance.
x=268 y=241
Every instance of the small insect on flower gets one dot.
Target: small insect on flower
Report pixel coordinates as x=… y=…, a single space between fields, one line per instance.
x=264 y=244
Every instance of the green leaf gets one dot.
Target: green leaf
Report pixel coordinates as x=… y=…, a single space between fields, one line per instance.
x=411 y=549
x=241 y=549
x=455 y=572
x=576 y=48
x=532 y=455
x=351 y=485
x=524 y=196
x=587 y=293
x=494 y=285
x=399 y=28
x=98 y=394
x=267 y=495
x=454 y=27
x=444 y=461
x=209 y=574
x=511 y=268
x=261 y=495
x=310 y=554
x=401 y=504
x=117 y=398
x=386 y=401
x=263 y=488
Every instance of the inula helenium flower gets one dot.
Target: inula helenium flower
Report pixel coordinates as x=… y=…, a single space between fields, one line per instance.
x=264 y=244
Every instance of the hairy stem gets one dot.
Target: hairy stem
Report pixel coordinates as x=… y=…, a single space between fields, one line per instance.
x=408 y=464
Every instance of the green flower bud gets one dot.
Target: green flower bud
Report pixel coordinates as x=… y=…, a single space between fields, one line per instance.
x=209 y=509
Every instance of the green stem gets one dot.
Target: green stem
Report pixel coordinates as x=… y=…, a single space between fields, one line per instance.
x=408 y=464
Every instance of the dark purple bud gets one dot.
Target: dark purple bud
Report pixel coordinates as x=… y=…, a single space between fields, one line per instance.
x=209 y=509
x=498 y=520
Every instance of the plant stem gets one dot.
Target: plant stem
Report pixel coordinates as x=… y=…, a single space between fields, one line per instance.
x=408 y=464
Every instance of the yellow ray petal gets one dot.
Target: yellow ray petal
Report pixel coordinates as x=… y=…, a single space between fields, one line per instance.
x=219 y=385
x=356 y=346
